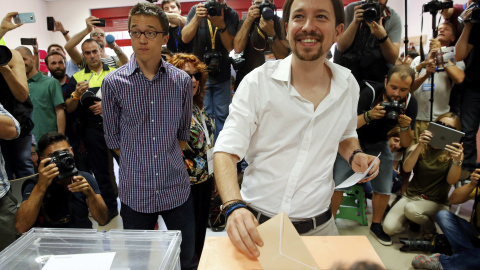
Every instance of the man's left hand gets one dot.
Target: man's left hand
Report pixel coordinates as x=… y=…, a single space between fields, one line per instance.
x=404 y=121
x=377 y=29
x=96 y=108
x=218 y=21
x=80 y=184
x=361 y=162
x=267 y=27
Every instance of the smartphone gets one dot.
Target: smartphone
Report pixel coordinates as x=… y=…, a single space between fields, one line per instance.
x=50 y=24
x=24 y=18
x=28 y=41
x=101 y=23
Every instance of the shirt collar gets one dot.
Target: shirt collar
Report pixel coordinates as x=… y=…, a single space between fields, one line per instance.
x=36 y=77
x=104 y=67
x=132 y=66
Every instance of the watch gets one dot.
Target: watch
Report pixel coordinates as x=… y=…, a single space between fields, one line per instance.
x=459 y=163
x=74 y=97
x=271 y=39
x=221 y=30
x=404 y=128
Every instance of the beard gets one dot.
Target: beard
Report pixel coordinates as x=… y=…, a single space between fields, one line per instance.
x=308 y=54
x=58 y=73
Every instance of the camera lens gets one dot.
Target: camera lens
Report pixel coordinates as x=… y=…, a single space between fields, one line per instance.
x=5 y=55
x=68 y=163
x=267 y=13
x=212 y=11
x=370 y=14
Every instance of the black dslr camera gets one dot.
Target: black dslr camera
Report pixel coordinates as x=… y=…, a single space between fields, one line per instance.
x=5 y=55
x=437 y=244
x=65 y=164
x=214 y=8
x=212 y=60
x=393 y=108
x=436 y=5
x=371 y=11
x=267 y=10
x=475 y=17
x=88 y=98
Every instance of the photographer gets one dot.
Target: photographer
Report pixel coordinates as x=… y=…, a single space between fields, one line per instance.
x=49 y=201
x=461 y=234
x=444 y=79
x=14 y=97
x=9 y=129
x=469 y=44
x=369 y=48
x=450 y=15
x=212 y=38
x=174 y=13
x=380 y=108
x=259 y=39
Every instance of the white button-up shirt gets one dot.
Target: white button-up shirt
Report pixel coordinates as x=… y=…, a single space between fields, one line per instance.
x=290 y=147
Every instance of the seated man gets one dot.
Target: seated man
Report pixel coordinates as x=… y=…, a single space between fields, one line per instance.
x=60 y=203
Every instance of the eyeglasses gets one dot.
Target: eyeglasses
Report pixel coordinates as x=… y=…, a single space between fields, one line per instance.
x=148 y=34
x=197 y=76
x=98 y=34
x=445 y=125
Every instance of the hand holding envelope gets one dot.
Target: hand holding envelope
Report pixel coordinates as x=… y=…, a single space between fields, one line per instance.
x=362 y=176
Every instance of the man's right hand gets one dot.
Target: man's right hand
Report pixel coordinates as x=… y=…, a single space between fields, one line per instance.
x=7 y=23
x=90 y=21
x=46 y=173
x=377 y=112
x=201 y=11
x=242 y=231
x=80 y=88
x=358 y=15
x=59 y=27
x=253 y=12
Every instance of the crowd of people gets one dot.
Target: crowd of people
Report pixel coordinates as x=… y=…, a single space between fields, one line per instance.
x=299 y=122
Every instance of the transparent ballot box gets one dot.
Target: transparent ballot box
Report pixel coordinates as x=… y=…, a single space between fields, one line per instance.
x=45 y=248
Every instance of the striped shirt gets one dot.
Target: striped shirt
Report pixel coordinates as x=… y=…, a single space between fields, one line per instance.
x=146 y=120
x=4 y=183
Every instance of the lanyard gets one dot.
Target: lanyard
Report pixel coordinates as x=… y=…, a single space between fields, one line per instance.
x=176 y=41
x=203 y=126
x=212 y=34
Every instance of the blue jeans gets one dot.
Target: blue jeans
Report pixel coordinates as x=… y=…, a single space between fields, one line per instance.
x=470 y=112
x=17 y=155
x=466 y=247
x=216 y=102
x=179 y=218
x=383 y=182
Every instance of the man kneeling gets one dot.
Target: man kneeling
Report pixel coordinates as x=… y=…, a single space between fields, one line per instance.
x=60 y=196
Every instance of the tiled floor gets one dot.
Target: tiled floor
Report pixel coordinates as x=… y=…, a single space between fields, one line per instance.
x=391 y=256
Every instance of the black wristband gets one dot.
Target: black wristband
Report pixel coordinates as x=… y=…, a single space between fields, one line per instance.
x=382 y=40
x=350 y=160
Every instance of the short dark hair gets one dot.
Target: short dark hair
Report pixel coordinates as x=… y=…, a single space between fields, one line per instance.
x=49 y=139
x=53 y=53
x=149 y=9
x=55 y=45
x=90 y=40
x=166 y=50
x=403 y=71
x=168 y=1
x=337 y=9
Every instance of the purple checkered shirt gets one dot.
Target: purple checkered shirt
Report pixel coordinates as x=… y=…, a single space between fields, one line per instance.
x=146 y=120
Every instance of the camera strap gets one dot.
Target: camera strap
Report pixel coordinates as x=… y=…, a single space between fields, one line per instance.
x=212 y=34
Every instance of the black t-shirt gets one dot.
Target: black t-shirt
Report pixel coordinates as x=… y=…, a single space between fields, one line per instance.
x=376 y=130
x=472 y=68
x=256 y=46
x=59 y=202
x=202 y=42
x=175 y=43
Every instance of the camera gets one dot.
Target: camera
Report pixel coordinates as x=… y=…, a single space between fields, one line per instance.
x=65 y=164
x=214 y=8
x=88 y=98
x=371 y=11
x=267 y=10
x=435 y=5
x=437 y=244
x=237 y=61
x=475 y=17
x=445 y=57
x=393 y=108
x=212 y=60
x=5 y=55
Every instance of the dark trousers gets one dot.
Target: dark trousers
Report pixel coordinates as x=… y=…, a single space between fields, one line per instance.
x=470 y=115
x=179 y=218
x=17 y=156
x=8 y=209
x=202 y=195
x=99 y=160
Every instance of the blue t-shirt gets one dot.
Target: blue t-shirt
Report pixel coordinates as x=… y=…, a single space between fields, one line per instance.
x=59 y=204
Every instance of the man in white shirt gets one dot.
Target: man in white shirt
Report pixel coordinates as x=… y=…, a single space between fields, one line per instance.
x=288 y=118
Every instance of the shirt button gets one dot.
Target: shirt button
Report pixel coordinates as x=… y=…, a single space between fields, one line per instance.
x=157 y=191
x=155 y=156
x=156 y=175
x=151 y=102
x=153 y=120
x=154 y=138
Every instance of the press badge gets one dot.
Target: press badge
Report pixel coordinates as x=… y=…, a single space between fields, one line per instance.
x=269 y=56
x=210 y=161
x=428 y=87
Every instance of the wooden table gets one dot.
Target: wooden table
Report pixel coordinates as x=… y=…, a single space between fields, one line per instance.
x=219 y=253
